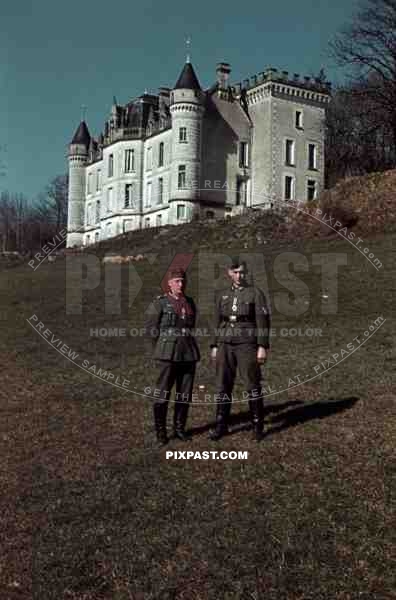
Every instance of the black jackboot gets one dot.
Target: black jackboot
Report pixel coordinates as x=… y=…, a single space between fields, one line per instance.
x=256 y=408
x=222 y=416
x=180 y=420
x=160 y=411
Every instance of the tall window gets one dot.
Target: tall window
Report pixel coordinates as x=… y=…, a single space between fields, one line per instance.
x=243 y=154
x=181 y=179
x=97 y=211
x=89 y=214
x=148 y=194
x=289 y=188
x=147 y=222
x=109 y=202
x=311 y=189
x=241 y=192
x=110 y=171
x=298 y=122
x=161 y=155
x=181 y=211
x=128 y=197
x=312 y=159
x=88 y=240
x=89 y=183
x=182 y=134
x=129 y=160
x=158 y=220
x=108 y=230
x=290 y=152
x=98 y=179
x=97 y=237
x=149 y=158
x=160 y=191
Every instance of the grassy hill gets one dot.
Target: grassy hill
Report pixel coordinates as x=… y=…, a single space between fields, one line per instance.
x=91 y=510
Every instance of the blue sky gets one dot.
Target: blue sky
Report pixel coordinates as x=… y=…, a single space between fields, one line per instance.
x=57 y=56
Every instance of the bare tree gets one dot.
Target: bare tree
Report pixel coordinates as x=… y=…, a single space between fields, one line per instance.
x=52 y=204
x=368 y=47
x=16 y=222
x=7 y=220
x=358 y=137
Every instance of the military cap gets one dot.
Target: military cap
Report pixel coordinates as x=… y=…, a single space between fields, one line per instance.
x=236 y=262
x=176 y=273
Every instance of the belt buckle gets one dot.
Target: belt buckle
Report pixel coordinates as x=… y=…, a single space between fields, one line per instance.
x=233 y=318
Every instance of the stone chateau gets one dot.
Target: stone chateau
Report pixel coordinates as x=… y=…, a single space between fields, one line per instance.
x=188 y=153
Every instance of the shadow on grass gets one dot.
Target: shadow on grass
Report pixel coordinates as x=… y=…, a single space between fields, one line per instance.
x=309 y=412
x=285 y=415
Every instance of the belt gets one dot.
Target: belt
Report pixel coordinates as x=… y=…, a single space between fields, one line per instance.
x=238 y=319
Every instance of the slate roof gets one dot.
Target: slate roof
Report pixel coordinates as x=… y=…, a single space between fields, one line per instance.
x=82 y=135
x=188 y=79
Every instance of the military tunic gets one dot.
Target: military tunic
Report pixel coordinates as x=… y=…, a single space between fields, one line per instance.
x=241 y=325
x=174 y=347
x=241 y=316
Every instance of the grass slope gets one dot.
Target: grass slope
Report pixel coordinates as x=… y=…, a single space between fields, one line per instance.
x=90 y=510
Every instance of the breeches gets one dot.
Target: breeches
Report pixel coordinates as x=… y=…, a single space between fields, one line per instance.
x=241 y=357
x=178 y=374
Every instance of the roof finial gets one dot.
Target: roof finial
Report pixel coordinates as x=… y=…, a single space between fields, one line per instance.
x=188 y=45
x=83 y=112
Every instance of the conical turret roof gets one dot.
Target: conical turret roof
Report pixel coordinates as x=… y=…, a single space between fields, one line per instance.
x=82 y=135
x=188 y=79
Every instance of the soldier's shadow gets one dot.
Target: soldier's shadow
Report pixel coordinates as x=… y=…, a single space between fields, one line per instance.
x=285 y=415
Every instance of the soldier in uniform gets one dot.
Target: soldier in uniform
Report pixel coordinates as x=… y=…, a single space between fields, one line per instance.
x=241 y=339
x=175 y=350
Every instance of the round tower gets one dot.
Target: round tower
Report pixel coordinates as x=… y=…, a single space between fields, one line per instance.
x=187 y=109
x=78 y=158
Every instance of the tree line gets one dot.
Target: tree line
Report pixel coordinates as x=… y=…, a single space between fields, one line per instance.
x=361 y=118
x=26 y=225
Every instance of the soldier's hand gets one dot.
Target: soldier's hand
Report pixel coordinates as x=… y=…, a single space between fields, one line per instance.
x=213 y=355
x=261 y=355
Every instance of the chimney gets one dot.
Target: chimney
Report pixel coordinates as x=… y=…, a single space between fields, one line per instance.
x=163 y=100
x=223 y=71
x=164 y=91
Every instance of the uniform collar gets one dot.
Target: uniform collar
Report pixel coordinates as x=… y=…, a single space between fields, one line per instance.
x=175 y=298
